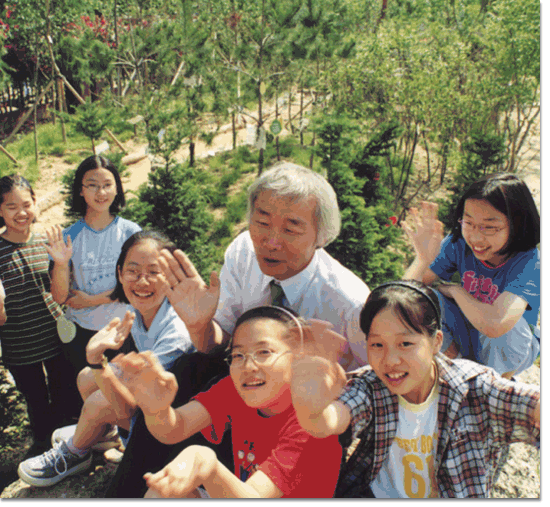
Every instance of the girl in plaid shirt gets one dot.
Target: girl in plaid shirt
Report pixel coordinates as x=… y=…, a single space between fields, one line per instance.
x=416 y=424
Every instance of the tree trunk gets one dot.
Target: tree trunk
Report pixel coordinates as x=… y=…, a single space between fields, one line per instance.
x=61 y=106
x=234 y=130
x=302 y=115
x=191 y=153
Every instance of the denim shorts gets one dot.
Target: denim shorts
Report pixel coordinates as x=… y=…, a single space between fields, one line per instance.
x=514 y=351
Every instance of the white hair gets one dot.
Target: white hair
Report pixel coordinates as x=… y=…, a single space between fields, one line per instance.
x=298 y=183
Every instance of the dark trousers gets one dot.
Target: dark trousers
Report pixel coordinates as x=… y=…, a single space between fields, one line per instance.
x=49 y=395
x=75 y=350
x=194 y=373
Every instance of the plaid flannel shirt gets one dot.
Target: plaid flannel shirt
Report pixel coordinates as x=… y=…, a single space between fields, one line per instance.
x=478 y=413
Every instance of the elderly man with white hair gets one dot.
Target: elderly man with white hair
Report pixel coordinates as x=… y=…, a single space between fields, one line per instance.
x=292 y=214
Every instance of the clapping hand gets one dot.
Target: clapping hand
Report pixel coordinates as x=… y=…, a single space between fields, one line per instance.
x=194 y=301
x=153 y=388
x=112 y=336
x=58 y=250
x=424 y=231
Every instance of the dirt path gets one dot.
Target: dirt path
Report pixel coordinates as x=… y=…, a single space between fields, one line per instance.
x=52 y=168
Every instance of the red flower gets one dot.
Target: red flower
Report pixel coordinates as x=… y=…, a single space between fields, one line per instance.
x=376 y=176
x=393 y=221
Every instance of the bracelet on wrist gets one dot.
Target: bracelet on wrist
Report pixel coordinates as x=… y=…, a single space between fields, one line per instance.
x=101 y=365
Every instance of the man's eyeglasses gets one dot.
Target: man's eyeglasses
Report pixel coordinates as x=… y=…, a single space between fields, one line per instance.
x=486 y=231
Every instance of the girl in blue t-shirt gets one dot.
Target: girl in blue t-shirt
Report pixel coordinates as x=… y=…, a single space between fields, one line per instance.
x=85 y=254
x=491 y=316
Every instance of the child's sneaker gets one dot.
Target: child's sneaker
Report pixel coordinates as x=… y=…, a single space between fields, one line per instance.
x=107 y=441
x=53 y=466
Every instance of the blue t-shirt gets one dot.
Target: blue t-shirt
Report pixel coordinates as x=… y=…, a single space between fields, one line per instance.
x=95 y=254
x=519 y=275
x=167 y=337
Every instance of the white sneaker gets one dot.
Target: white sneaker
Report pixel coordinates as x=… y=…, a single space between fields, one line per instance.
x=107 y=441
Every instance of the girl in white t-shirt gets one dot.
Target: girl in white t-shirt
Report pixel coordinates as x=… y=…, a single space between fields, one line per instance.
x=416 y=424
x=84 y=270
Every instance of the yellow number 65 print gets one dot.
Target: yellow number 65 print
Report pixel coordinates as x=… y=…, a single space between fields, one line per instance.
x=411 y=475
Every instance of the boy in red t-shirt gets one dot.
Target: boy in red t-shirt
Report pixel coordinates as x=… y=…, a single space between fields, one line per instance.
x=274 y=457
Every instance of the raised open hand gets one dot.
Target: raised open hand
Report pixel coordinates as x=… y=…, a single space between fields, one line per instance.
x=153 y=388
x=58 y=250
x=424 y=231
x=317 y=378
x=194 y=301
x=112 y=336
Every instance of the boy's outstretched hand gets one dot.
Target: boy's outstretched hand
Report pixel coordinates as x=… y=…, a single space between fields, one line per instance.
x=112 y=337
x=153 y=388
x=183 y=475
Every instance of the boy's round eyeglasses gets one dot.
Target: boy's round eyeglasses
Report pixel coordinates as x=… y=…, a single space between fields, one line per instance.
x=96 y=188
x=486 y=231
x=134 y=276
x=262 y=357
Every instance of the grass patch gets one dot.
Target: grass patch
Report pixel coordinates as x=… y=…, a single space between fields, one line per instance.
x=50 y=143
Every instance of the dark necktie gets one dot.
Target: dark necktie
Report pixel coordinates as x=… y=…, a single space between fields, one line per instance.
x=277 y=293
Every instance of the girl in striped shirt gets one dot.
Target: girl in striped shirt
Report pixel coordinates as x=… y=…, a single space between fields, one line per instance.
x=31 y=348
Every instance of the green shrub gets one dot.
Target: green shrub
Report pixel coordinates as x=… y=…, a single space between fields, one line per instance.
x=236 y=207
x=57 y=150
x=482 y=154
x=368 y=243
x=173 y=202
x=222 y=230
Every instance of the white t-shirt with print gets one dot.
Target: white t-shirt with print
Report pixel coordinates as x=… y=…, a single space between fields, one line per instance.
x=409 y=471
x=95 y=254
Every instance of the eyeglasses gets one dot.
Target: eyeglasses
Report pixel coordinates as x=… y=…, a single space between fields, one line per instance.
x=134 y=276
x=486 y=231
x=261 y=357
x=96 y=188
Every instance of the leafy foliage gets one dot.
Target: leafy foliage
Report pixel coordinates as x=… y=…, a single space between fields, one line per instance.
x=175 y=204
x=368 y=241
x=91 y=120
x=482 y=154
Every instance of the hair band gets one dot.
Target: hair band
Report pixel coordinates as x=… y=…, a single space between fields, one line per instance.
x=401 y=283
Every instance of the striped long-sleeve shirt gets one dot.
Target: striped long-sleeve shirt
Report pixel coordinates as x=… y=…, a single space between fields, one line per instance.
x=30 y=332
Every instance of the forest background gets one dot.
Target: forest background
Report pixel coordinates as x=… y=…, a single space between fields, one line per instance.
x=393 y=100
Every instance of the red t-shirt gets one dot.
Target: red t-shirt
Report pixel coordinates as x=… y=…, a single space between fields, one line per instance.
x=300 y=465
